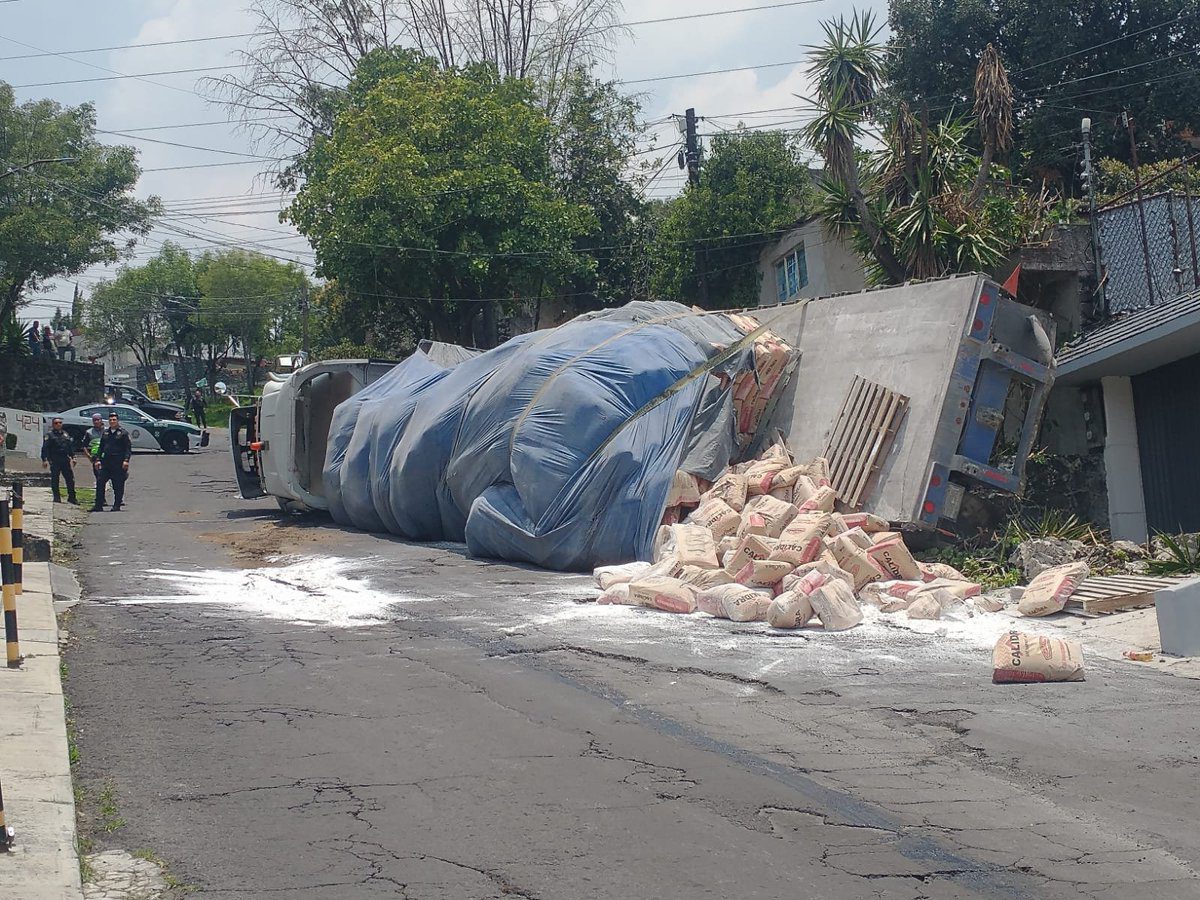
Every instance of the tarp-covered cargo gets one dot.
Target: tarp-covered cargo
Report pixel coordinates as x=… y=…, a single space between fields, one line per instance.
x=558 y=447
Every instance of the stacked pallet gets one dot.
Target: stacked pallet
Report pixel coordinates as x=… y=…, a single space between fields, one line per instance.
x=1107 y=594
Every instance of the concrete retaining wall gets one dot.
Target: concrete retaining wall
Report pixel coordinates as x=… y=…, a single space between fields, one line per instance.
x=43 y=384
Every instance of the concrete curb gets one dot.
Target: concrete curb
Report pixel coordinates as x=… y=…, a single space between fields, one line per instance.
x=34 y=760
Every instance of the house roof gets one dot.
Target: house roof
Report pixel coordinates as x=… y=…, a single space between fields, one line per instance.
x=1134 y=343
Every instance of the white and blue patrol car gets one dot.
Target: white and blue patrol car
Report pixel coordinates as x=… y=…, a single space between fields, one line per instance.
x=145 y=432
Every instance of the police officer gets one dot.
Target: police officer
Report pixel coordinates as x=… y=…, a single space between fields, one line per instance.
x=113 y=465
x=58 y=452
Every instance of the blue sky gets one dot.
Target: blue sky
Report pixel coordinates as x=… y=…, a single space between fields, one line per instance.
x=696 y=45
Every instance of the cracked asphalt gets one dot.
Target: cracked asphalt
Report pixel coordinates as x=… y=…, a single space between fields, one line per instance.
x=495 y=737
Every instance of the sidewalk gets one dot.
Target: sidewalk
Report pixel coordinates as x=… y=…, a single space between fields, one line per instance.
x=34 y=766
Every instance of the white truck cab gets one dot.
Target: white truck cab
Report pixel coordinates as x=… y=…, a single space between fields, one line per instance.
x=278 y=444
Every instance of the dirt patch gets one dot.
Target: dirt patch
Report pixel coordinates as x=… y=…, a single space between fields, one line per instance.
x=269 y=540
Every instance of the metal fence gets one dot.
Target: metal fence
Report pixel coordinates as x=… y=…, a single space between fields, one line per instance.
x=1149 y=250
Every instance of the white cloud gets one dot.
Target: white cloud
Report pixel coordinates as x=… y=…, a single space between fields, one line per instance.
x=691 y=45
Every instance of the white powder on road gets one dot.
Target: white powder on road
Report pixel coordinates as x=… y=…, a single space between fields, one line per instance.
x=305 y=591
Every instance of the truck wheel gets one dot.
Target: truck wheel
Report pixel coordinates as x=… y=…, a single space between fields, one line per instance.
x=174 y=443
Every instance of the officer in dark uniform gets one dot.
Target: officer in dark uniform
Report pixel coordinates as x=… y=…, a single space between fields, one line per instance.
x=58 y=452
x=115 y=451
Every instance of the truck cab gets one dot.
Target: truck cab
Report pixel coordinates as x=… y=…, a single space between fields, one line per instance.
x=279 y=443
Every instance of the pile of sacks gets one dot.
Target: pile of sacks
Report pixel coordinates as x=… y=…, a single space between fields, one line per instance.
x=753 y=389
x=766 y=542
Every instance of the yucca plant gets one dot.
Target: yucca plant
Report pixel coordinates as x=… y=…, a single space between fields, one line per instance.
x=1183 y=556
x=1055 y=524
x=921 y=206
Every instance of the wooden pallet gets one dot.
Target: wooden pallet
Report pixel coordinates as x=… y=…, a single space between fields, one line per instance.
x=860 y=437
x=1104 y=594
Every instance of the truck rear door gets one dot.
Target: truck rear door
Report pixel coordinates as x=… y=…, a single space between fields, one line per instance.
x=243 y=443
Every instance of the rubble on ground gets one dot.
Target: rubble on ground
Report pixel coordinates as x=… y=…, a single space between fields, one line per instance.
x=1034 y=556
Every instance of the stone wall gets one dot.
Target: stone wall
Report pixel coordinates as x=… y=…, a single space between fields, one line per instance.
x=45 y=384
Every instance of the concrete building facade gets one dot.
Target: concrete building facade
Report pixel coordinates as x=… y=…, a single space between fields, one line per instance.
x=808 y=262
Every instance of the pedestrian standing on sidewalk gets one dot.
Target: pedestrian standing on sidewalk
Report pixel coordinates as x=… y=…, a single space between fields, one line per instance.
x=64 y=341
x=35 y=338
x=115 y=451
x=48 y=341
x=197 y=404
x=58 y=452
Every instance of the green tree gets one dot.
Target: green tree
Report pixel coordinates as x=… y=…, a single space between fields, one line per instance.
x=59 y=218
x=147 y=308
x=595 y=135
x=250 y=299
x=707 y=242
x=120 y=317
x=434 y=202
x=1115 y=179
x=1071 y=59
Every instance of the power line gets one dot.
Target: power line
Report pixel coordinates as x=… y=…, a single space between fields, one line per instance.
x=98 y=68
x=250 y=34
x=244 y=162
x=140 y=75
x=1123 y=37
x=200 y=40
x=145 y=75
x=137 y=137
x=206 y=124
x=794 y=62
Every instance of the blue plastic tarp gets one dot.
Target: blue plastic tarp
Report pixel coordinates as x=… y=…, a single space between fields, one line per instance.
x=557 y=448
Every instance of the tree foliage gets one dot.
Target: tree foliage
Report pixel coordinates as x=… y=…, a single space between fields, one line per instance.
x=1070 y=59
x=706 y=248
x=594 y=137
x=304 y=52
x=208 y=305
x=251 y=301
x=59 y=218
x=1115 y=180
x=434 y=200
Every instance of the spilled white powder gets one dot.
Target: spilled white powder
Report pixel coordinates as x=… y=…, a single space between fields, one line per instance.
x=305 y=590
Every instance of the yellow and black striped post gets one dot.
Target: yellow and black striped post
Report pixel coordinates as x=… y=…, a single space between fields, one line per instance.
x=18 y=534
x=11 y=645
x=6 y=833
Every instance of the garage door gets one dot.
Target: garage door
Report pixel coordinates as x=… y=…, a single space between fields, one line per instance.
x=1167 y=405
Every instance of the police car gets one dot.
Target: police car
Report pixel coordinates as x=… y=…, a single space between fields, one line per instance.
x=145 y=432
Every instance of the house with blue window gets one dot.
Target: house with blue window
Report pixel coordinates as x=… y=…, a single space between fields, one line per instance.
x=808 y=262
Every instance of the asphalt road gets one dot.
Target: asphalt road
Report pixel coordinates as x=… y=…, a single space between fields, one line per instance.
x=478 y=732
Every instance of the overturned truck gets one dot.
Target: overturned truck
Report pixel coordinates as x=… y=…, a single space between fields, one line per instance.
x=561 y=447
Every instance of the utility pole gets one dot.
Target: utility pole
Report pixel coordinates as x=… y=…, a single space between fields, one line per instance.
x=1089 y=183
x=691 y=159
x=304 y=318
x=1137 y=184
x=692 y=145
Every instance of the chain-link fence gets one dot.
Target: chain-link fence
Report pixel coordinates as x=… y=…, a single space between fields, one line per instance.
x=1149 y=250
